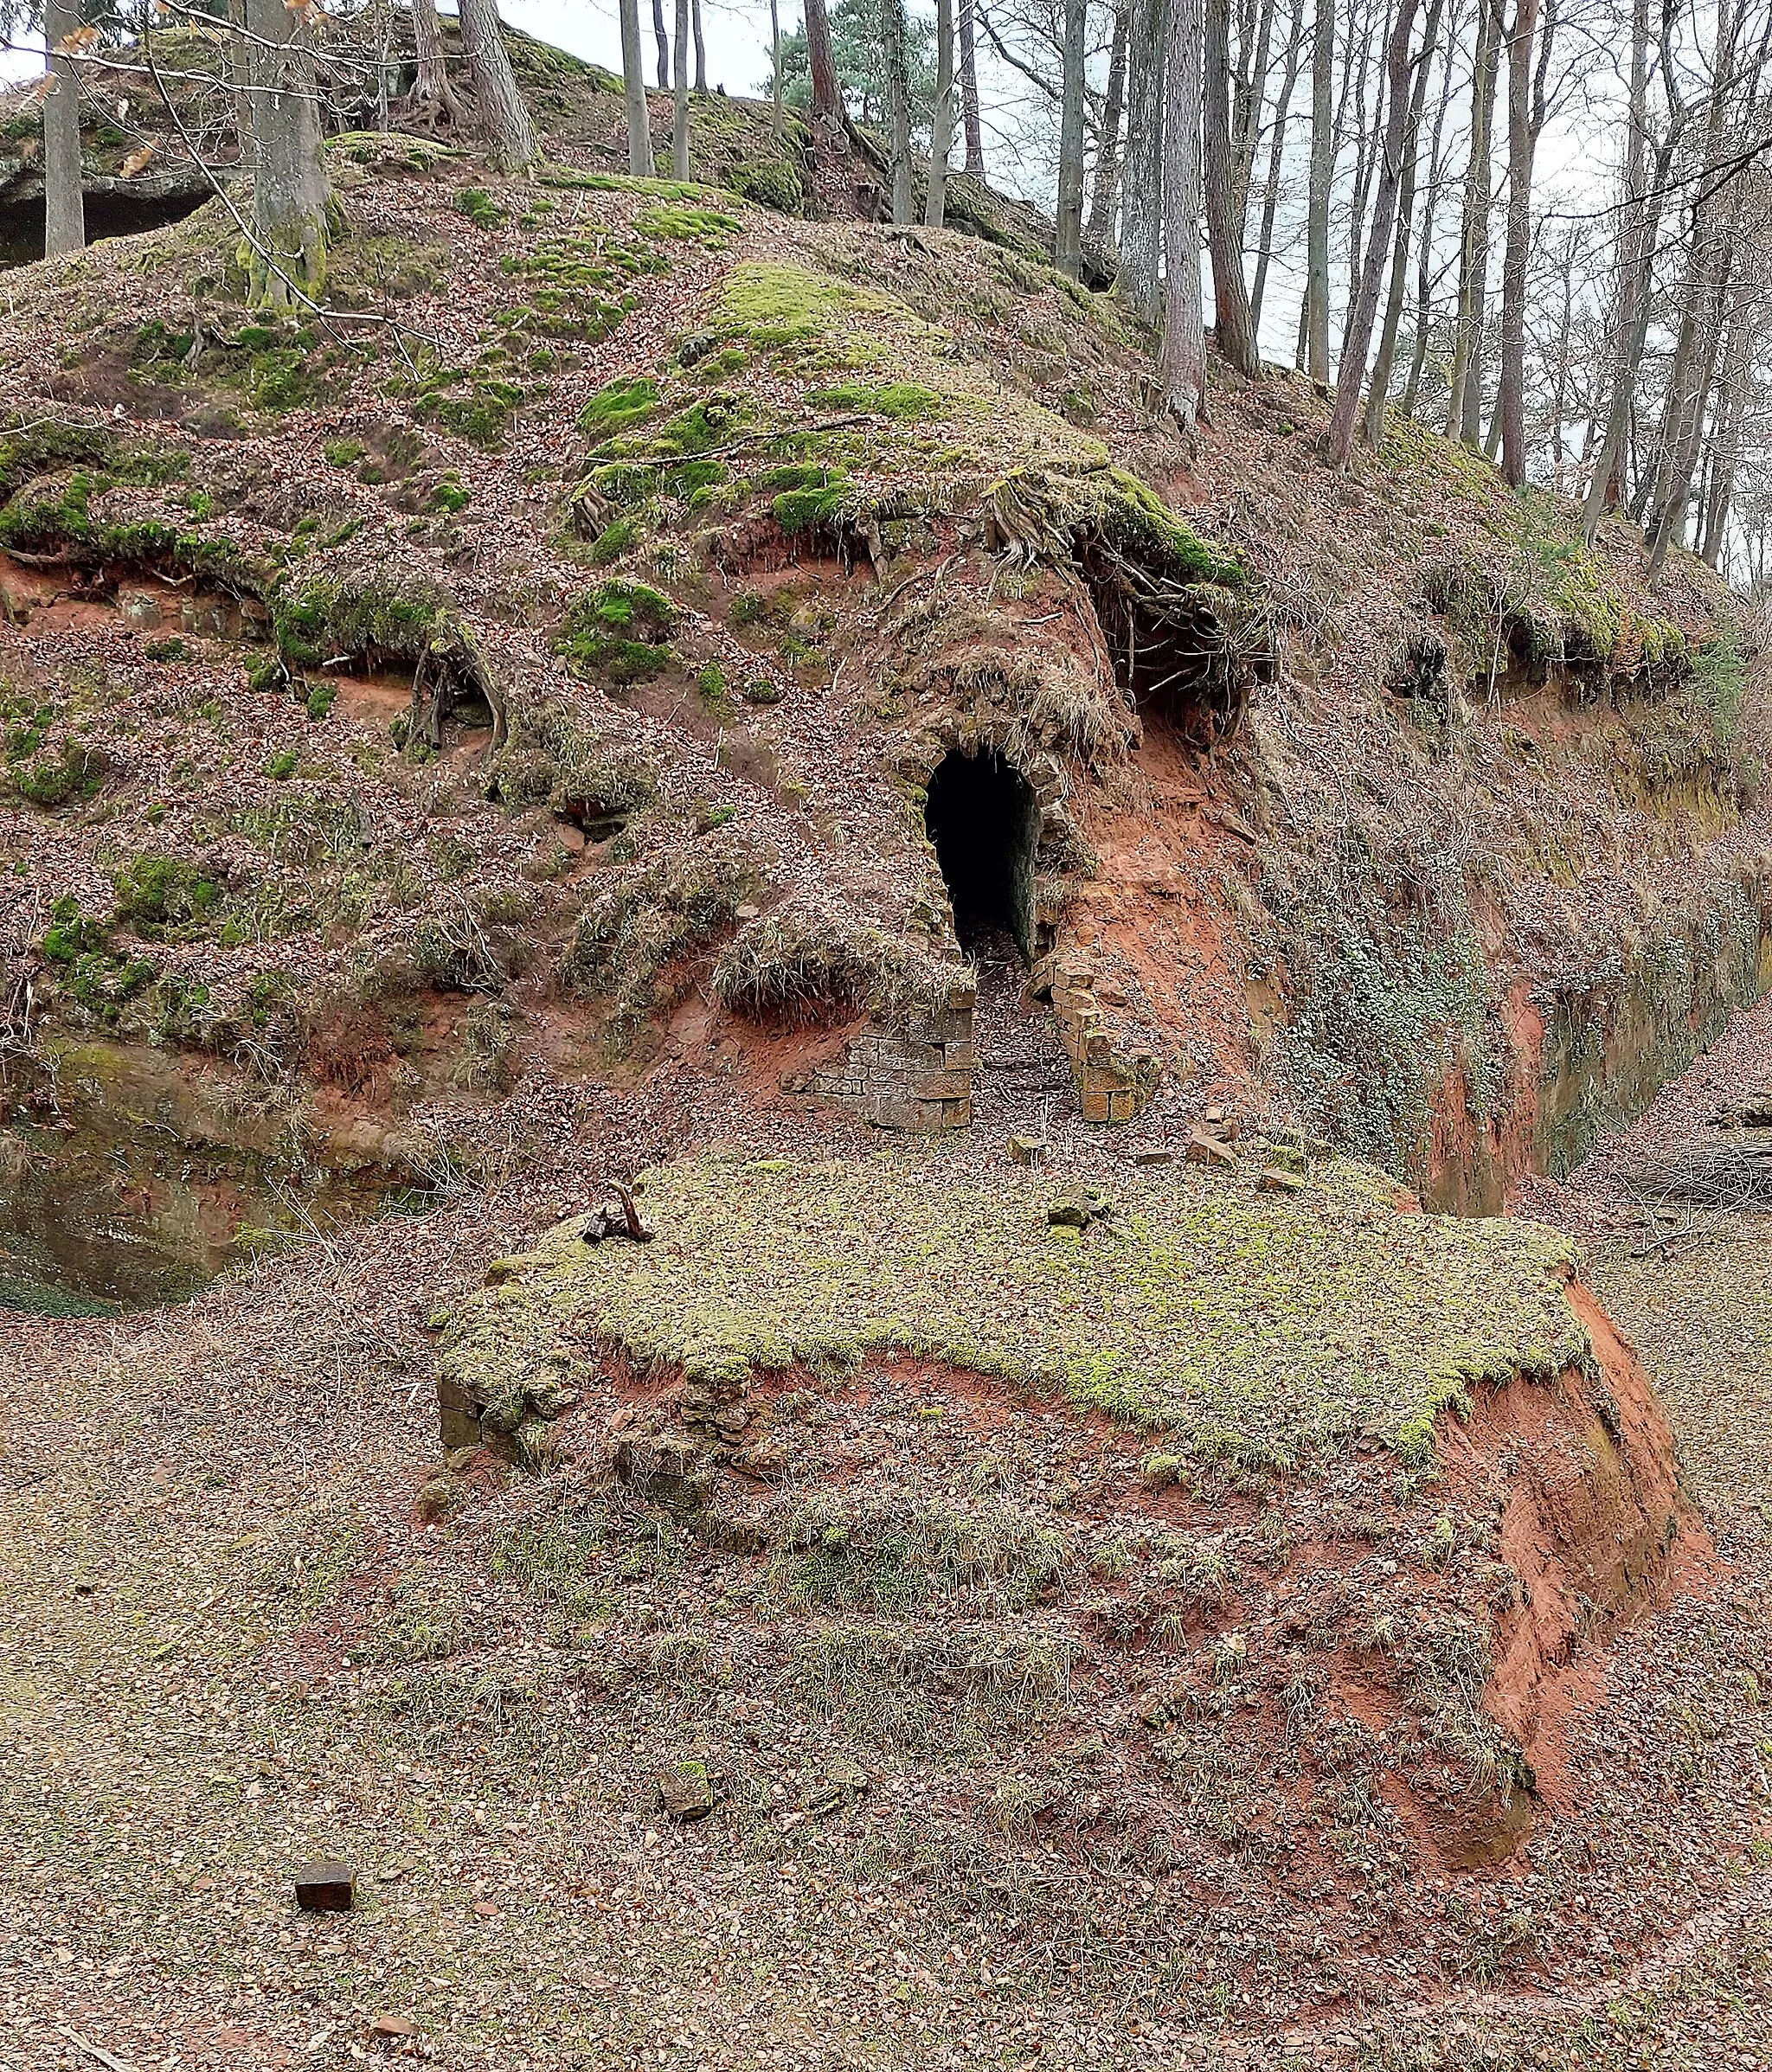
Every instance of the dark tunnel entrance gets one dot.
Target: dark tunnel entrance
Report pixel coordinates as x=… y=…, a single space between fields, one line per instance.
x=108 y=214
x=984 y=823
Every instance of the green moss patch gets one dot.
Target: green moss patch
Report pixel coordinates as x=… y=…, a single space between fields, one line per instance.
x=893 y=399
x=619 y=406
x=621 y=629
x=1252 y=1327
x=672 y=220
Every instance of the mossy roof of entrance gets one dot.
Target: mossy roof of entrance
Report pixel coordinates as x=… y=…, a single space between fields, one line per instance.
x=1248 y=1325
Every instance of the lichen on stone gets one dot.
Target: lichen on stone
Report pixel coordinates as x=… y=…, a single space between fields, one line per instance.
x=1247 y=1327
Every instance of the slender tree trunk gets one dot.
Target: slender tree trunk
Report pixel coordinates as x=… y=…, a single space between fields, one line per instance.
x=679 y=96
x=898 y=88
x=1068 y=240
x=969 y=89
x=941 y=122
x=1322 y=177
x=433 y=101
x=1141 y=199
x=661 y=36
x=1364 y=312
x=1639 y=221
x=1731 y=408
x=1099 y=230
x=1424 y=264
x=1183 y=360
x=639 y=131
x=1461 y=418
x=1674 y=485
x=239 y=74
x=1276 y=160
x=775 y=67
x=1510 y=405
x=1366 y=137
x=503 y=117
x=64 y=195
x=701 y=50
x=1224 y=240
x=821 y=58
x=1382 y=365
x=1251 y=98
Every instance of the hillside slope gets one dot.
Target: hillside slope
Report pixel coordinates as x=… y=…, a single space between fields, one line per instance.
x=550 y=670
x=678 y=689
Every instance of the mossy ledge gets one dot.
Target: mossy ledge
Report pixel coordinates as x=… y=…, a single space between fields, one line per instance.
x=1251 y=1327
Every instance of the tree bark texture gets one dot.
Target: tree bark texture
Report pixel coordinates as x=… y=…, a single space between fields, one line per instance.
x=969 y=89
x=821 y=59
x=498 y=102
x=286 y=264
x=639 y=131
x=898 y=92
x=679 y=97
x=941 y=122
x=1223 y=230
x=1182 y=363
x=1321 y=176
x=1099 y=230
x=64 y=193
x=1364 y=311
x=1141 y=198
x=1068 y=238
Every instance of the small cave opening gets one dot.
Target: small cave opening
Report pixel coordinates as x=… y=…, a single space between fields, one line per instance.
x=985 y=823
x=109 y=213
x=1180 y=658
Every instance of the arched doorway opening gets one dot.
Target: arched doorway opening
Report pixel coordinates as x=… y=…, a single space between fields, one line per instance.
x=984 y=823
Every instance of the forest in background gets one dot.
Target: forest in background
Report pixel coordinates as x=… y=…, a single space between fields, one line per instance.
x=1538 y=226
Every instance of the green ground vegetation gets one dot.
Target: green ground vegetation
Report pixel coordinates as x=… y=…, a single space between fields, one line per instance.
x=1251 y=1326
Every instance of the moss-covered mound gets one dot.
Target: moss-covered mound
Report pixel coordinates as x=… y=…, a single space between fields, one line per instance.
x=1249 y=1325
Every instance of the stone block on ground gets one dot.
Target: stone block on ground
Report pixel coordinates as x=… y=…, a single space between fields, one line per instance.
x=324 y=1888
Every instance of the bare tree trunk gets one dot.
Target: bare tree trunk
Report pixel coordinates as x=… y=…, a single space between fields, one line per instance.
x=1141 y=198
x=661 y=36
x=1276 y=160
x=775 y=66
x=1700 y=305
x=433 y=101
x=1639 y=221
x=1672 y=500
x=503 y=116
x=291 y=201
x=1365 y=133
x=969 y=90
x=639 y=131
x=1223 y=233
x=240 y=73
x=1730 y=410
x=1251 y=98
x=701 y=51
x=1462 y=416
x=1511 y=404
x=1381 y=367
x=1068 y=234
x=1099 y=230
x=898 y=87
x=64 y=194
x=1424 y=264
x=1322 y=176
x=1183 y=361
x=827 y=96
x=942 y=123
x=1560 y=375
x=1364 y=312
x=679 y=96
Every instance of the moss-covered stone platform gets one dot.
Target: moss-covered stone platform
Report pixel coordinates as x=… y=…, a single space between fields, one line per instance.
x=1245 y=1325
